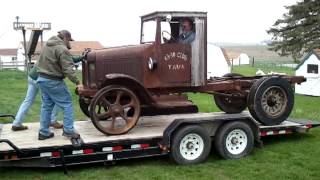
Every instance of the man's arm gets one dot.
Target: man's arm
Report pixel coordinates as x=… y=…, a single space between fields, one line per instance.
x=67 y=65
x=77 y=59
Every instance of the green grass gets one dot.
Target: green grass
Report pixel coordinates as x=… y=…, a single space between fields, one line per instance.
x=13 y=86
x=294 y=156
x=251 y=71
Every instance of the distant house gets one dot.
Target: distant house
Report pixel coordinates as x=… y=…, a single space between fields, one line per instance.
x=237 y=58
x=309 y=68
x=77 y=47
x=8 y=58
x=217 y=61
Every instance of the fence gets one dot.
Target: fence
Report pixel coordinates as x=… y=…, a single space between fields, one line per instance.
x=274 y=65
x=12 y=65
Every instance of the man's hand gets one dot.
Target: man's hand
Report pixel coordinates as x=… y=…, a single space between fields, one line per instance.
x=79 y=88
x=85 y=53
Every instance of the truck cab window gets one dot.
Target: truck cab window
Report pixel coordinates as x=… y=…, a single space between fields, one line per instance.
x=148 y=31
x=166 y=32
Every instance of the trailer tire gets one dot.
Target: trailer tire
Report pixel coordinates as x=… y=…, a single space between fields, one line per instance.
x=190 y=145
x=234 y=140
x=271 y=100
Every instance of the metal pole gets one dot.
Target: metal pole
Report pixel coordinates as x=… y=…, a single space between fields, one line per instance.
x=41 y=39
x=231 y=64
x=25 y=50
x=252 y=61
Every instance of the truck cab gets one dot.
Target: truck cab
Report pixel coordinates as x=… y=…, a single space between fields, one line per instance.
x=120 y=83
x=172 y=62
x=159 y=61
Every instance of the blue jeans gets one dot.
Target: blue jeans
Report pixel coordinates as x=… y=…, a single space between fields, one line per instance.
x=55 y=92
x=32 y=92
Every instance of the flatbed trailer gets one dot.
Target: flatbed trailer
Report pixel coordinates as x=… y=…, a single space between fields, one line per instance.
x=187 y=138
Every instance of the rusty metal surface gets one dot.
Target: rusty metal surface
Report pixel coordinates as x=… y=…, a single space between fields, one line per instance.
x=221 y=84
x=173 y=67
x=175 y=64
x=170 y=104
x=122 y=60
x=155 y=71
x=115 y=110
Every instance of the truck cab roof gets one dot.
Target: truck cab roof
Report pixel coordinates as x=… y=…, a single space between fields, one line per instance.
x=164 y=14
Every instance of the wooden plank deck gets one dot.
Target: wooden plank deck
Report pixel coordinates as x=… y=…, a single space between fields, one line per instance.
x=146 y=128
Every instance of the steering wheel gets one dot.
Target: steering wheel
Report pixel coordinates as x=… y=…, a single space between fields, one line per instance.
x=171 y=39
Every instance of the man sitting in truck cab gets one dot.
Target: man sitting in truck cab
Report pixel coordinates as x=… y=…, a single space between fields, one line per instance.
x=188 y=35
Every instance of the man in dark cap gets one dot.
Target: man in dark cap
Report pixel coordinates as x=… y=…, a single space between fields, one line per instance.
x=54 y=64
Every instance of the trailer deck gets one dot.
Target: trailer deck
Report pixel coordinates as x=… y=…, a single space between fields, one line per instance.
x=147 y=127
x=22 y=148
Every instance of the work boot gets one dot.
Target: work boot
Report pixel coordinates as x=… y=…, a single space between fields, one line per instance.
x=43 y=137
x=73 y=135
x=56 y=125
x=19 y=128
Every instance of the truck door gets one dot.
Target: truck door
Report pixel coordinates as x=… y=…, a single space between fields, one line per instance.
x=175 y=64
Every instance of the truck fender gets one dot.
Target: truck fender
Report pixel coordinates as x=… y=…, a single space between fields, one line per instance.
x=131 y=83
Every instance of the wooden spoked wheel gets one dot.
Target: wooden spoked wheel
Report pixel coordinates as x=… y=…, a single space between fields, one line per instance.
x=109 y=110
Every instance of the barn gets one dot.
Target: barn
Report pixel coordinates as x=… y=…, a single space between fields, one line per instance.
x=8 y=59
x=238 y=58
x=77 y=48
x=309 y=68
x=217 y=61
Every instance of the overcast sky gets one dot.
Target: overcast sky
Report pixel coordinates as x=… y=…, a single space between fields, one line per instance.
x=117 y=22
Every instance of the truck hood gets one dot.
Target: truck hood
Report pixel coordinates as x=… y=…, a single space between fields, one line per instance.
x=121 y=52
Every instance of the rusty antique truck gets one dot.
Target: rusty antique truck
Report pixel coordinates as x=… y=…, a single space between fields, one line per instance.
x=121 y=83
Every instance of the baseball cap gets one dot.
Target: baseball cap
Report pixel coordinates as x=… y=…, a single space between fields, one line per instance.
x=66 y=33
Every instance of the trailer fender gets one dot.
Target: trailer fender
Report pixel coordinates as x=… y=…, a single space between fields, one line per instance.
x=210 y=126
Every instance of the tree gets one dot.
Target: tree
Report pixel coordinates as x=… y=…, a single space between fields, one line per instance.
x=298 y=31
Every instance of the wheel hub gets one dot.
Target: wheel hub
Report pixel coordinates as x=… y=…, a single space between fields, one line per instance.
x=271 y=101
x=191 y=146
x=116 y=109
x=236 y=141
x=274 y=101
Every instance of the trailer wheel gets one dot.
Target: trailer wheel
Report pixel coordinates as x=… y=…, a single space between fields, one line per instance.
x=190 y=145
x=227 y=104
x=84 y=106
x=271 y=100
x=109 y=110
x=234 y=140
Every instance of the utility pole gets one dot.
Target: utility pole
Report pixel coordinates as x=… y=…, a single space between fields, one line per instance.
x=37 y=30
x=16 y=26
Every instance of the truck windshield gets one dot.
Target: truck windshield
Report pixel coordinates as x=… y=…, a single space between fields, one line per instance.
x=148 y=31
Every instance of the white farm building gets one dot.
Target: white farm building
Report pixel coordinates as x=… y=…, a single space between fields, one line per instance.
x=217 y=61
x=309 y=68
